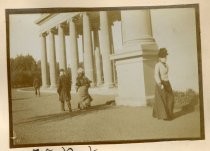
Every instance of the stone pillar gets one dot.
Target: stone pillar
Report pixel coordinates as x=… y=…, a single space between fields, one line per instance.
x=105 y=48
x=88 y=52
x=140 y=23
x=62 y=47
x=98 y=66
x=73 y=51
x=117 y=36
x=44 y=61
x=52 y=59
x=135 y=63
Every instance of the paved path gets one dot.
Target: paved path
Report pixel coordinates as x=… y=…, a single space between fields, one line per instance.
x=38 y=120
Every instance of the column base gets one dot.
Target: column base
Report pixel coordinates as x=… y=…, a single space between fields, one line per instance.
x=92 y=85
x=135 y=73
x=99 y=84
x=53 y=86
x=73 y=88
x=107 y=85
x=131 y=84
x=44 y=86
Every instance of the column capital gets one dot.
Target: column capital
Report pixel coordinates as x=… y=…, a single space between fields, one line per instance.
x=53 y=31
x=114 y=16
x=76 y=19
x=85 y=13
x=43 y=34
x=62 y=25
x=95 y=26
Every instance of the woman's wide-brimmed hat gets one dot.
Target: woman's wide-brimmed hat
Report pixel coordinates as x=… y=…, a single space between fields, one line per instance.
x=61 y=70
x=80 y=70
x=162 y=53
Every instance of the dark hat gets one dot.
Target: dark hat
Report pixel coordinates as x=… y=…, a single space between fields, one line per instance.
x=162 y=53
x=61 y=70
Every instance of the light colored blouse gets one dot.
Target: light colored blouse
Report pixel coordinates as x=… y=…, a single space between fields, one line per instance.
x=161 y=72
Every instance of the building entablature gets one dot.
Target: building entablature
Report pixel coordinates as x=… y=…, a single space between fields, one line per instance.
x=46 y=22
x=52 y=21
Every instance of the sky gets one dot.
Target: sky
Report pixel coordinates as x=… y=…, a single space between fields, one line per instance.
x=25 y=39
x=24 y=35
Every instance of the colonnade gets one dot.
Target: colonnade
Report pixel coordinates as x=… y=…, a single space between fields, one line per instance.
x=134 y=63
x=91 y=54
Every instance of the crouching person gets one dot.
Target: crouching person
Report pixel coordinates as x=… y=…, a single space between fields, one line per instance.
x=63 y=89
x=83 y=84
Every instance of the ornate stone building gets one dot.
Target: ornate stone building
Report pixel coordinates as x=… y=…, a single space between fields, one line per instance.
x=118 y=50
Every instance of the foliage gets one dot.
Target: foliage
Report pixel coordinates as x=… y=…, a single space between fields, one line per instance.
x=182 y=98
x=23 y=70
x=189 y=97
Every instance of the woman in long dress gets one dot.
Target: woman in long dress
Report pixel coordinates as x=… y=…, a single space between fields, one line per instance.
x=83 y=84
x=164 y=98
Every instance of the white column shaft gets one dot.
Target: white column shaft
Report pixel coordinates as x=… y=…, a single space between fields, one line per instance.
x=88 y=52
x=44 y=61
x=52 y=59
x=136 y=28
x=105 y=48
x=73 y=51
x=98 y=66
x=62 y=48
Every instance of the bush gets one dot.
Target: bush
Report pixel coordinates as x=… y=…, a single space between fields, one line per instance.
x=190 y=97
x=181 y=99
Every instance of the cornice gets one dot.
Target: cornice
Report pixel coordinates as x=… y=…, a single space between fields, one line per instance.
x=44 y=18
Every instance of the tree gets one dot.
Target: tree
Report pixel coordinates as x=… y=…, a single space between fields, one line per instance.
x=23 y=70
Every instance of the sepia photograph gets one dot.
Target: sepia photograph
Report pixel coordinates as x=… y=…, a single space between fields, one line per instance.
x=104 y=75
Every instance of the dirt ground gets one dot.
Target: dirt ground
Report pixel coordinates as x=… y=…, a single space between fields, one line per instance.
x=39 y=120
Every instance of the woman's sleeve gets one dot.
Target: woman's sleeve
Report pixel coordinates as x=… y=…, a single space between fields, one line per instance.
x=59 y=86
x=77 y=82
x=157 y=74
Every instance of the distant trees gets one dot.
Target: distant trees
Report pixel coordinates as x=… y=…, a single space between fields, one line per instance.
x=23 y=70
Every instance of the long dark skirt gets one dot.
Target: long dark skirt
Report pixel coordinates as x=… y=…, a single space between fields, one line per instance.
x=84 y=97
x=164 y=101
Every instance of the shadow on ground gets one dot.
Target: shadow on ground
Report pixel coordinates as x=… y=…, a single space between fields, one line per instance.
x=15 y=111
x=32 y=96
x=66 y=114
x=20 y=99
x=188 y=108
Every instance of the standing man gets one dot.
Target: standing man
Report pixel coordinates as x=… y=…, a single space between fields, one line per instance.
x=36 y=85
x=63 y=89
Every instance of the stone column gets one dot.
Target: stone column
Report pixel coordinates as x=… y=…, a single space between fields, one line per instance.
x=98 y=66
x=52 y=59
x=73 y=51
x=88 y=52
x=105 y=48
x=136 y=28
x=135 y=62
x=44 y=61
x=62 y=47
x=117 y=36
